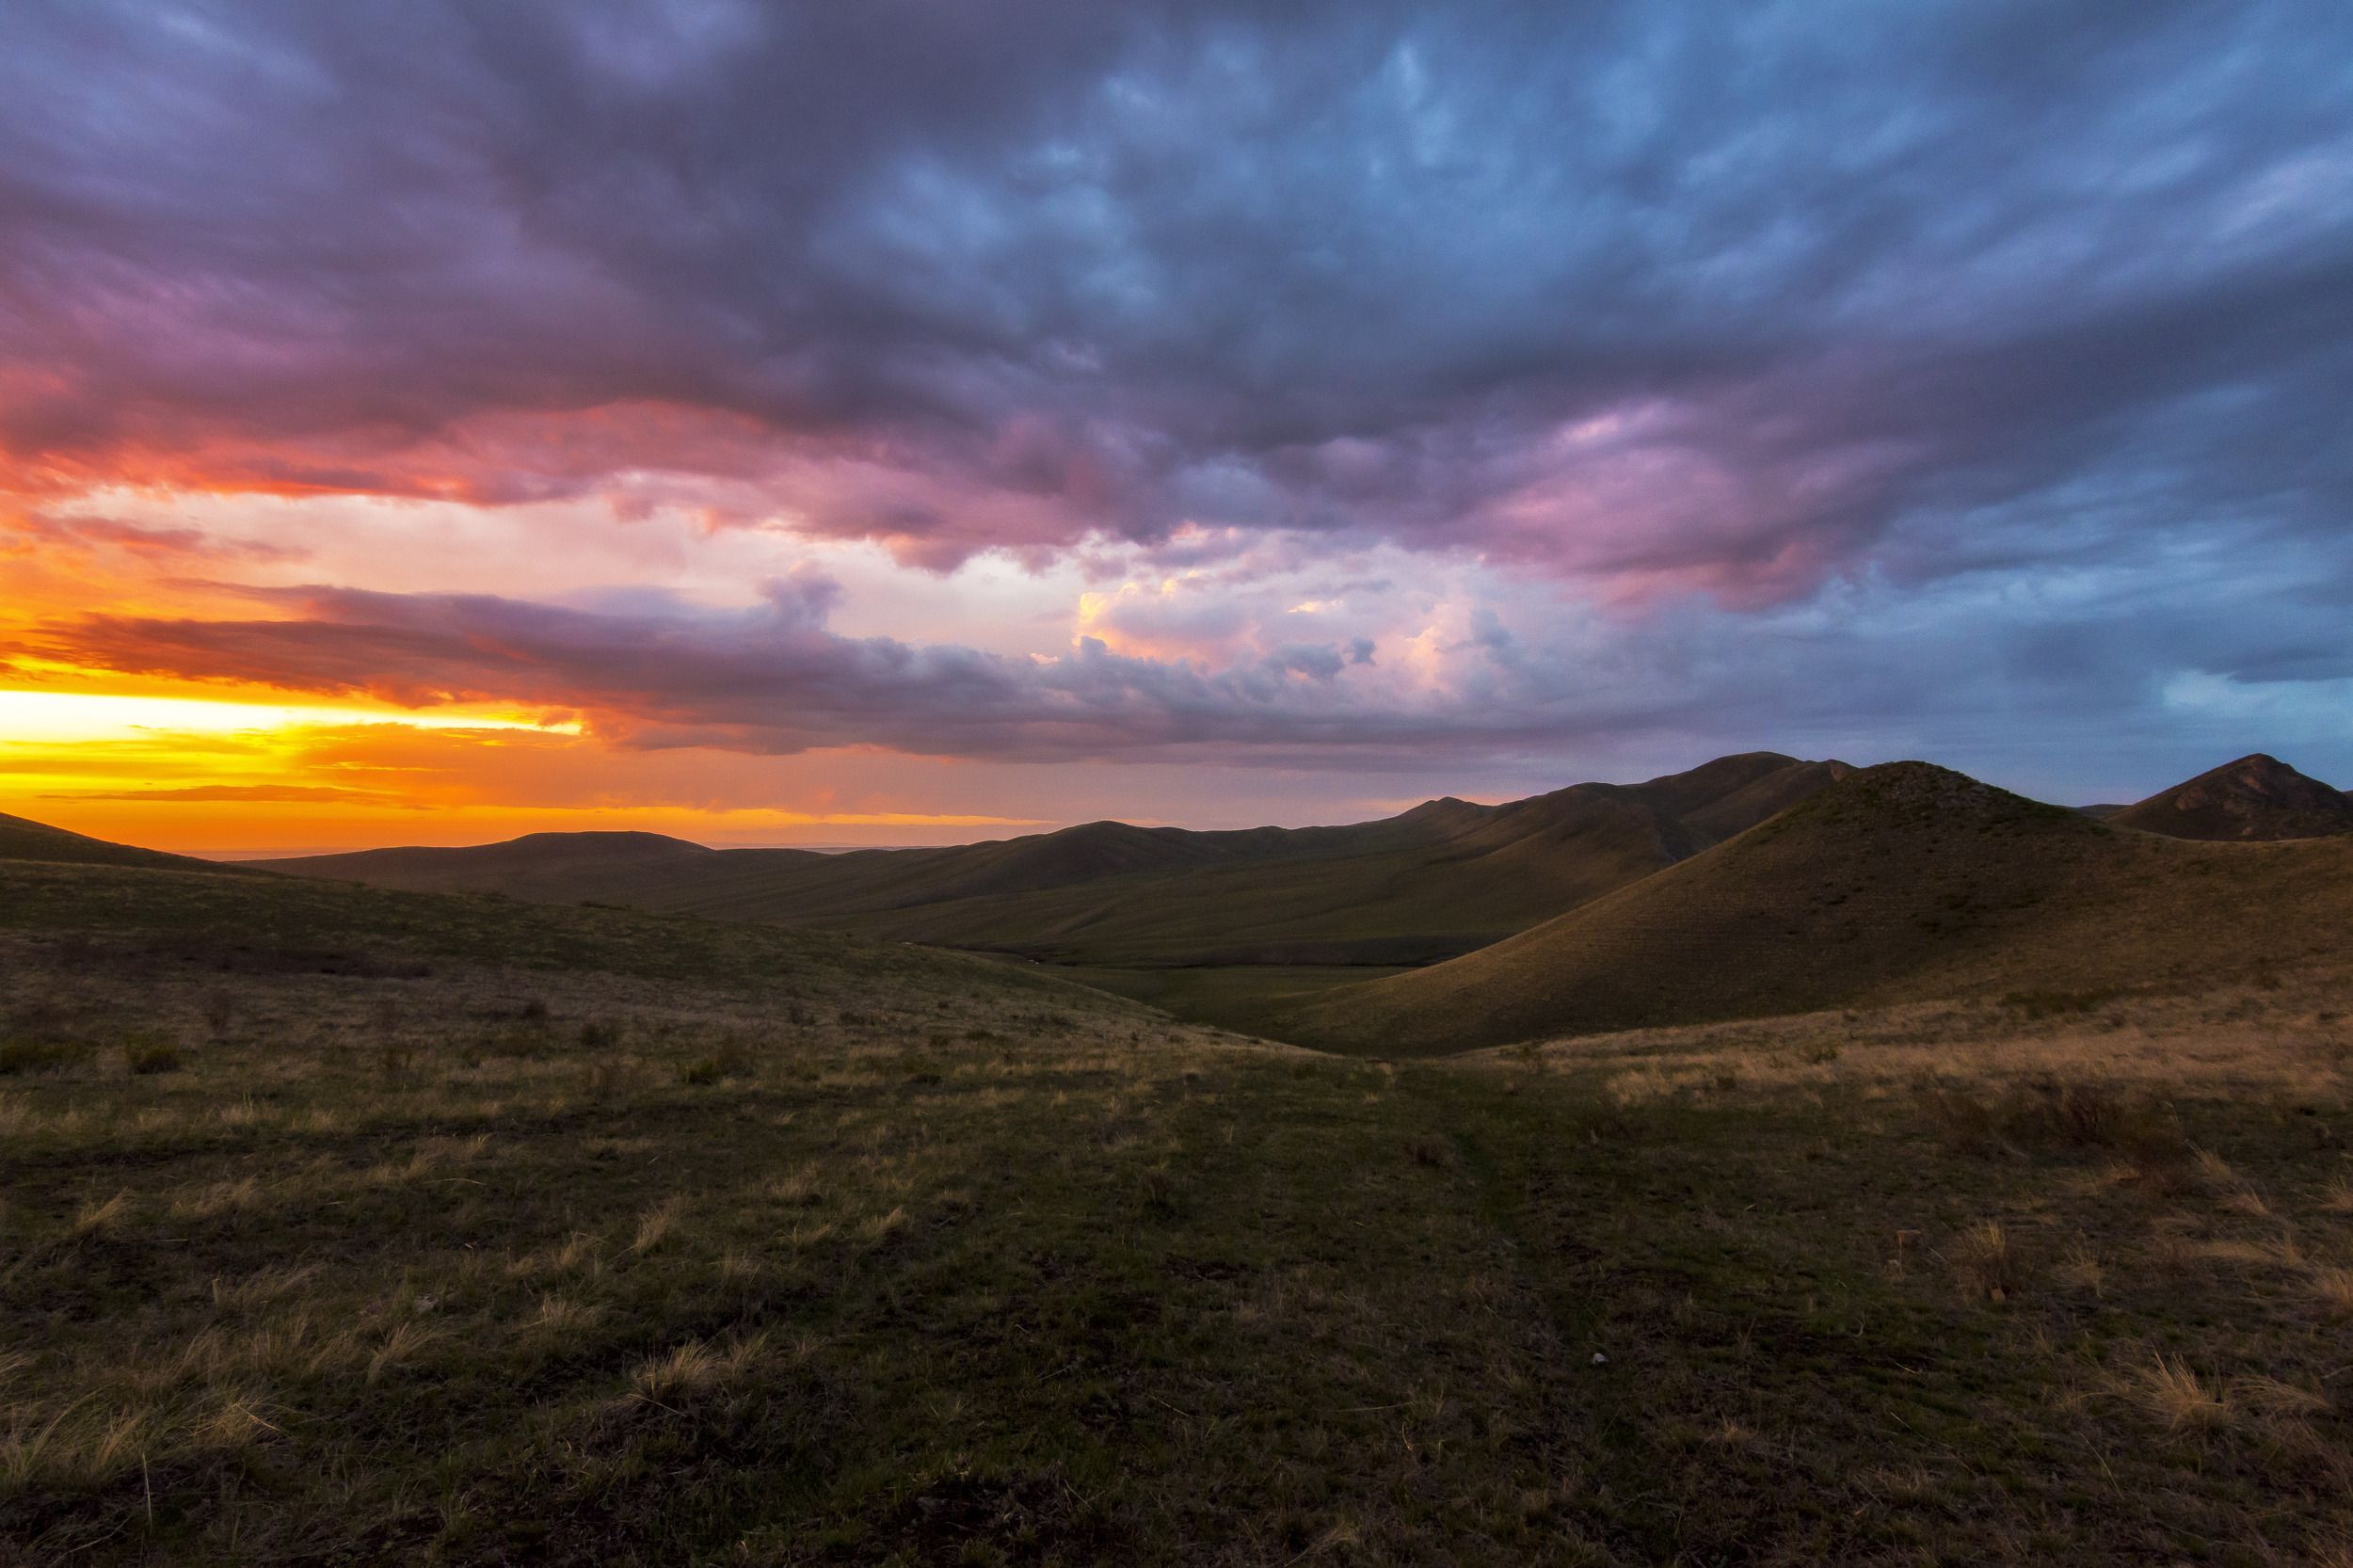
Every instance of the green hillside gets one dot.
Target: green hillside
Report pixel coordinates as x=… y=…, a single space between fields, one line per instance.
x=1442 y=879
x=23 y=839
x=347 y=1226
x=1901 y=882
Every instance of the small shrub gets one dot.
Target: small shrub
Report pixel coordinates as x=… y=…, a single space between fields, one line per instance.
x=2087 y=1115
x=608 y=1077
x=1966 y=1124
x=1431 y=1150
x=735 y=1057
x=535 y=1011
x=220 y=1011
x=1159 y=1194
x=2159 y=1157
x=148 y=1057
x=701 y=1072
x=33 y=1056
x=600 y=1034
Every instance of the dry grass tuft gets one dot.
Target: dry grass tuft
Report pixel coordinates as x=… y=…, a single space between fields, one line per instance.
x=557 y=1314
x=404 y=1343
x=1988 y=1264
x=235 y=1423
x=695 y=1368
x=798 y=1189
x=100 y=1216
x=2178 y=1397
x=2274 y=1397
x=656 y=1227
x=2333 y=1289
x=2081 y=1269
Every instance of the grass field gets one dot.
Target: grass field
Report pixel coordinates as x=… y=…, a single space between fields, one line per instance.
x=1247 y=998
x=345 y=1226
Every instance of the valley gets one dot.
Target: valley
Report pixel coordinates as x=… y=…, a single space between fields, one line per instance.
x=1920 y=1174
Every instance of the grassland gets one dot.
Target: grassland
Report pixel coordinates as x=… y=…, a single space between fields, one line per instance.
x=1901 y=882
x=1248 y=998
x=1436 y=882
x=345 y=1226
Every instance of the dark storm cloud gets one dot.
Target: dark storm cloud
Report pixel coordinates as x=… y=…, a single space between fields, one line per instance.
x=1665 y=296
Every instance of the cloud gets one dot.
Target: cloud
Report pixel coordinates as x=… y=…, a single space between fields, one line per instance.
x=772 y=679
x=277 y=794
x=50 y=531
x=1642 y=296
x=1383 y=659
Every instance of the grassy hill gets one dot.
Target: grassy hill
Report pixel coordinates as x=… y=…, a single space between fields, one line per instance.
x=1900 y=883
x=344 y=1225
x=1442 y=879
x=2255 y=797
x=561 y=868
x=23 y=839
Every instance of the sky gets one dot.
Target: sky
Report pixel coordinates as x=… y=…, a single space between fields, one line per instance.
x=919 y=421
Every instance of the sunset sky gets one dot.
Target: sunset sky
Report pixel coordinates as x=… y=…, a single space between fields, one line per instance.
x=914 y=420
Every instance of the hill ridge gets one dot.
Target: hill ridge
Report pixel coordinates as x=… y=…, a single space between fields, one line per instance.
x=1436 y=880
x=2253 y=797
x=1902 y=882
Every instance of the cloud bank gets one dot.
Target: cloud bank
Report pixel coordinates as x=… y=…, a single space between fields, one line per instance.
x=1717 y=325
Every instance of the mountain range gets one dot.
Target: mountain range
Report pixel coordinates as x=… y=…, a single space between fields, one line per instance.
x=1443 y=879
x=1755 y=884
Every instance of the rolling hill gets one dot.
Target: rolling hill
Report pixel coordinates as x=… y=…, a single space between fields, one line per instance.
x=556 y=868
x=2255 y=797
x=1905 y=882
x=1445 y=878
x=25 y=839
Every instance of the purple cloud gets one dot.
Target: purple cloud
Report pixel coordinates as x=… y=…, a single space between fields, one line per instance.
x=1640 y=296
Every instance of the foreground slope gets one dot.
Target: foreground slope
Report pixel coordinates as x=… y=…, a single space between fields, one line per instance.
x=1442 y=879
x=350 y=1227
x=24 y=839
x=1904 y=882
x=2256 y=797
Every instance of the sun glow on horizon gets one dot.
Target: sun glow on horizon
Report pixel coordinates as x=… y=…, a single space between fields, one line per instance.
x=55 y=717
x=217 y=776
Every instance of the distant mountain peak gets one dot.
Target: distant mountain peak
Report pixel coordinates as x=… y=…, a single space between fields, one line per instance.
x=2255 y=797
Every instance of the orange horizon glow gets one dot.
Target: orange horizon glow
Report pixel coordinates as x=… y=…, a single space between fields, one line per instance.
x=224 y=772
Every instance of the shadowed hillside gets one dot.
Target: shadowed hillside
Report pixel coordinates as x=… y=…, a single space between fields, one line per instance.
x=2255 y=797
x=551 y=867
x=1444 y=878
x=346 y=1225
x=1904 y=882
x=20 y=840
